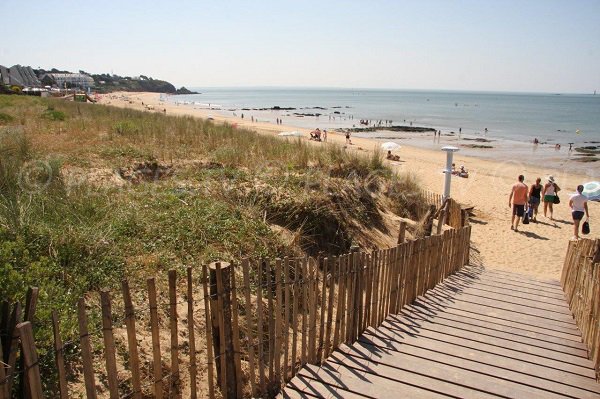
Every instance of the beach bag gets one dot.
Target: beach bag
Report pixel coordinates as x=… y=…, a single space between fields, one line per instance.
x=526 y=217
x=556 y=199
x=585 y=228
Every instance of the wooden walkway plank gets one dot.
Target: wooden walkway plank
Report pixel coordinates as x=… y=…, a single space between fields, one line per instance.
x=559 y=319
x=516 y=284
x=371 y=385
x=477 y=334
x=505 y=314
x=486 y=365
x=377 y=359
x=452 y=283
x=408 y=315
x=480 y=313
x=474 y=293
x=514 y=330
x=396 y=330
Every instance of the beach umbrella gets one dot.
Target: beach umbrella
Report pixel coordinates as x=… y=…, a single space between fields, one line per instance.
x=390 y=146
x=290 y=134
x=592 y=190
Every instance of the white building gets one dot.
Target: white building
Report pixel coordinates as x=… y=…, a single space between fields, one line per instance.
x=72 y=79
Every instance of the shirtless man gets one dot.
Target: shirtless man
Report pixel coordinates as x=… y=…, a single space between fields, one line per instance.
x=518 y=199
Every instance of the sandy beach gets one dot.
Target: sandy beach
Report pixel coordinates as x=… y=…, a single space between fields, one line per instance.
x=538 y=249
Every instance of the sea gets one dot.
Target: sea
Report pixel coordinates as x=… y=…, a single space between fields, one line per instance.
x=493 y=125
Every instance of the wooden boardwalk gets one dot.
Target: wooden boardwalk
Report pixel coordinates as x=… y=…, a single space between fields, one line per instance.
x=480 y=334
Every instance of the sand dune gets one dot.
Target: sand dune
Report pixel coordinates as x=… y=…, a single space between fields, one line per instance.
x=538 y=249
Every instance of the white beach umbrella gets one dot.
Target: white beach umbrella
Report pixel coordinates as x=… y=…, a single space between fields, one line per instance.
x=290 y=134
x=390 y=146
x=592 y=190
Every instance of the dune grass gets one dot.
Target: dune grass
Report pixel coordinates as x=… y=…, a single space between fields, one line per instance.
x=69 y=224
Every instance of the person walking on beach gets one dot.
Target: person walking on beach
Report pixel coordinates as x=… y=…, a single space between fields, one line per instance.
x=550 y=191
x=325 y=135
x=348 y=138
x=535 y=197
x=579 y=207
x=518 y=200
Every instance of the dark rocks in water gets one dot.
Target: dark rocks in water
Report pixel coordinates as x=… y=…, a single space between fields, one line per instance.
x=590 y=158
x=479 y=140
x=483 y=146
x=336 y=112
x=306 y=114
x=412 y=129
x=321 y=108
x=278 y=108
x=245 y=109
x=588 y=149
x=336 y=106
x=183 y=90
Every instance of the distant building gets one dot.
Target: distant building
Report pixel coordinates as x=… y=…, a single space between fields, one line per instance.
x=18 y=75
x=72 y=80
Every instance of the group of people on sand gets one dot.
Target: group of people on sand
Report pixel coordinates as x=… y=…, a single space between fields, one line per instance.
x=525 y=202
x=462 y=172
x=318 y=135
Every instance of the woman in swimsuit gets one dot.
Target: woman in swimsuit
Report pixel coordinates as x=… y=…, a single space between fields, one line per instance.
x=535 y=197
x=550 y=191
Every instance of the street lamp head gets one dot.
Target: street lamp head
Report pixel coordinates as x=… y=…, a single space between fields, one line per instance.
x=450 y=148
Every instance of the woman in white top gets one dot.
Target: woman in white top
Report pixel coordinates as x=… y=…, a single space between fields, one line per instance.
x=579 y=206
x=550 y=191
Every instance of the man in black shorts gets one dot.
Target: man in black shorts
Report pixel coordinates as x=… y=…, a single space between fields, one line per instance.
x=518 y=198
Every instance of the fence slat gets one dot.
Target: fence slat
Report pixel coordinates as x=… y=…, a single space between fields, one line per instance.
x=286 y=317
x=260 y=332
x=312 y=310
x=295 y=317
x=208 y=325
x=236 y=333
x=332 y=271
x=10 y=351
x=156 y=356
x=173 y=319
x=30 y=360
x=86 y=351
x=109 y=345
x=305 y=281
x=270 y=319
x=322 y=308
x=278 y=321
x=191 y=335
x=249 y=332
x=134 y=358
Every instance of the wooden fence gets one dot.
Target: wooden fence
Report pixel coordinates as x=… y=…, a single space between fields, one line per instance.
x=452 y=213
x=255 y=323
x=581 y=282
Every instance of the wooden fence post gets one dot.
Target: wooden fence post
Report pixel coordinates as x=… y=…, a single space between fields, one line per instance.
x=30 y=360
x=191 y=334
x=109 y=346
x=157 y=364
x=402 y=232
x=173 y=316
x=223 y=336
x=86 y=351
x=208 y=332
x=134 y=358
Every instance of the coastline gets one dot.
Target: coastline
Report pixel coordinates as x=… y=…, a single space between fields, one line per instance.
x=538 y=249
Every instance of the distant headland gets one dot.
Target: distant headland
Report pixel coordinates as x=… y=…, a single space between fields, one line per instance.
x=25 y=78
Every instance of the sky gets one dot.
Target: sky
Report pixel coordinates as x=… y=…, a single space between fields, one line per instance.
x=503 y=45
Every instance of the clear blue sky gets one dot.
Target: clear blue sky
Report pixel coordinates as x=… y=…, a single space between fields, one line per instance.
x=547 y=46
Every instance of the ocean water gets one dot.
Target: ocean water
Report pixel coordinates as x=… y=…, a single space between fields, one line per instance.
x=512 y=120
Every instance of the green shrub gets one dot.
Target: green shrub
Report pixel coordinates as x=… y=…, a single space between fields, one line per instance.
x=54 y=115
x=5 y=118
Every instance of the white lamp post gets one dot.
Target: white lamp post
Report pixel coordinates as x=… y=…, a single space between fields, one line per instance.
x=448 y=172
